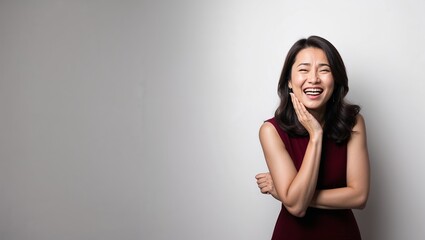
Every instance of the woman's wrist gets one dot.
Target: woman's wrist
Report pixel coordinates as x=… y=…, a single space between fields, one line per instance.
x=317 y=136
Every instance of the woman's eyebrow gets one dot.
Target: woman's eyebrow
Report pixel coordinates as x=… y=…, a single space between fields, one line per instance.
x=309 y=64
x=324 y=64
x=304 y=64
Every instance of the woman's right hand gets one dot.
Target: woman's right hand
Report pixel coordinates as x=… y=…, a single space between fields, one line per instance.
x=309 y=122
x=265 y=184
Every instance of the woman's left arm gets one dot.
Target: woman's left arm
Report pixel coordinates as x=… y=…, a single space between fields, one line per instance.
x=356 y=193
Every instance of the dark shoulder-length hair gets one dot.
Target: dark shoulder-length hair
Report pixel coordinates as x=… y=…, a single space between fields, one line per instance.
x=340 y=116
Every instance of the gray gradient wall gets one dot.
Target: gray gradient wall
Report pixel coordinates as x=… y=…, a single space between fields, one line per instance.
x=139 y=119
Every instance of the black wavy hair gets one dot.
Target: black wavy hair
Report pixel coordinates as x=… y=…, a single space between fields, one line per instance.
x=340 y=116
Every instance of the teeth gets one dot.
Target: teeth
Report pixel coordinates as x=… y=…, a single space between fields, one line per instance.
x=313 y=91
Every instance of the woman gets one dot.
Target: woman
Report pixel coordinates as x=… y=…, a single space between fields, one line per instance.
x=315 y=147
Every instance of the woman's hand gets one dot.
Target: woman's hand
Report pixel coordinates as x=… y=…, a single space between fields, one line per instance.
x=309 y=122
x=265 y=183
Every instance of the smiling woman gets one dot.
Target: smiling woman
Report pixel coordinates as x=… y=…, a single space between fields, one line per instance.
x=315 y=147
x=311 y=79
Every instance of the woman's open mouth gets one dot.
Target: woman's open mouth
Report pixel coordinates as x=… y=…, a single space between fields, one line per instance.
x=313 y=91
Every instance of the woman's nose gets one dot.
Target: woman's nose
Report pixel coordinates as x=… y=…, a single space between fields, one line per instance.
x=314 y=77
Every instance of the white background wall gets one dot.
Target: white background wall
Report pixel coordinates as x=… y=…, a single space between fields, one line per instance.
x=139 y=119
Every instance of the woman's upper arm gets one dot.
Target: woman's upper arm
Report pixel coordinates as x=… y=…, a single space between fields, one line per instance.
x=358 y=170
x=278 y=160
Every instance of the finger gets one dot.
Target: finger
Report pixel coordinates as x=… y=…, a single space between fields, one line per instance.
x=294 y=101
x=261 y=180
x=296 y=104
x=264 y=190
x=269 y=189
x=300 y=110
x=260 y=175
x=304 y=112
x=263 y=185
x=266 y=183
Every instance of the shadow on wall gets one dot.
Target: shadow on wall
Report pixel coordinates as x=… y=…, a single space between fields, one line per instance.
x=374 y=221
x=370 y=219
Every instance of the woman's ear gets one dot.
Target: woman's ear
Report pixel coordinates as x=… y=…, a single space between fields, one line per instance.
x=290 y=86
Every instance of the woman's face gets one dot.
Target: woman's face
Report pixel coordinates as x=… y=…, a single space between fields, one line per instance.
x=311 y=79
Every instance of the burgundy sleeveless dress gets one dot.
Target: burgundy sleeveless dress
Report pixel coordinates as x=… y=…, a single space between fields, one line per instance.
x=318 y=224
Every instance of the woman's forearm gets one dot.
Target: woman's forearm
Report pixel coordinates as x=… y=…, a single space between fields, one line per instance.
x=339 y=198
x=303 y=187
